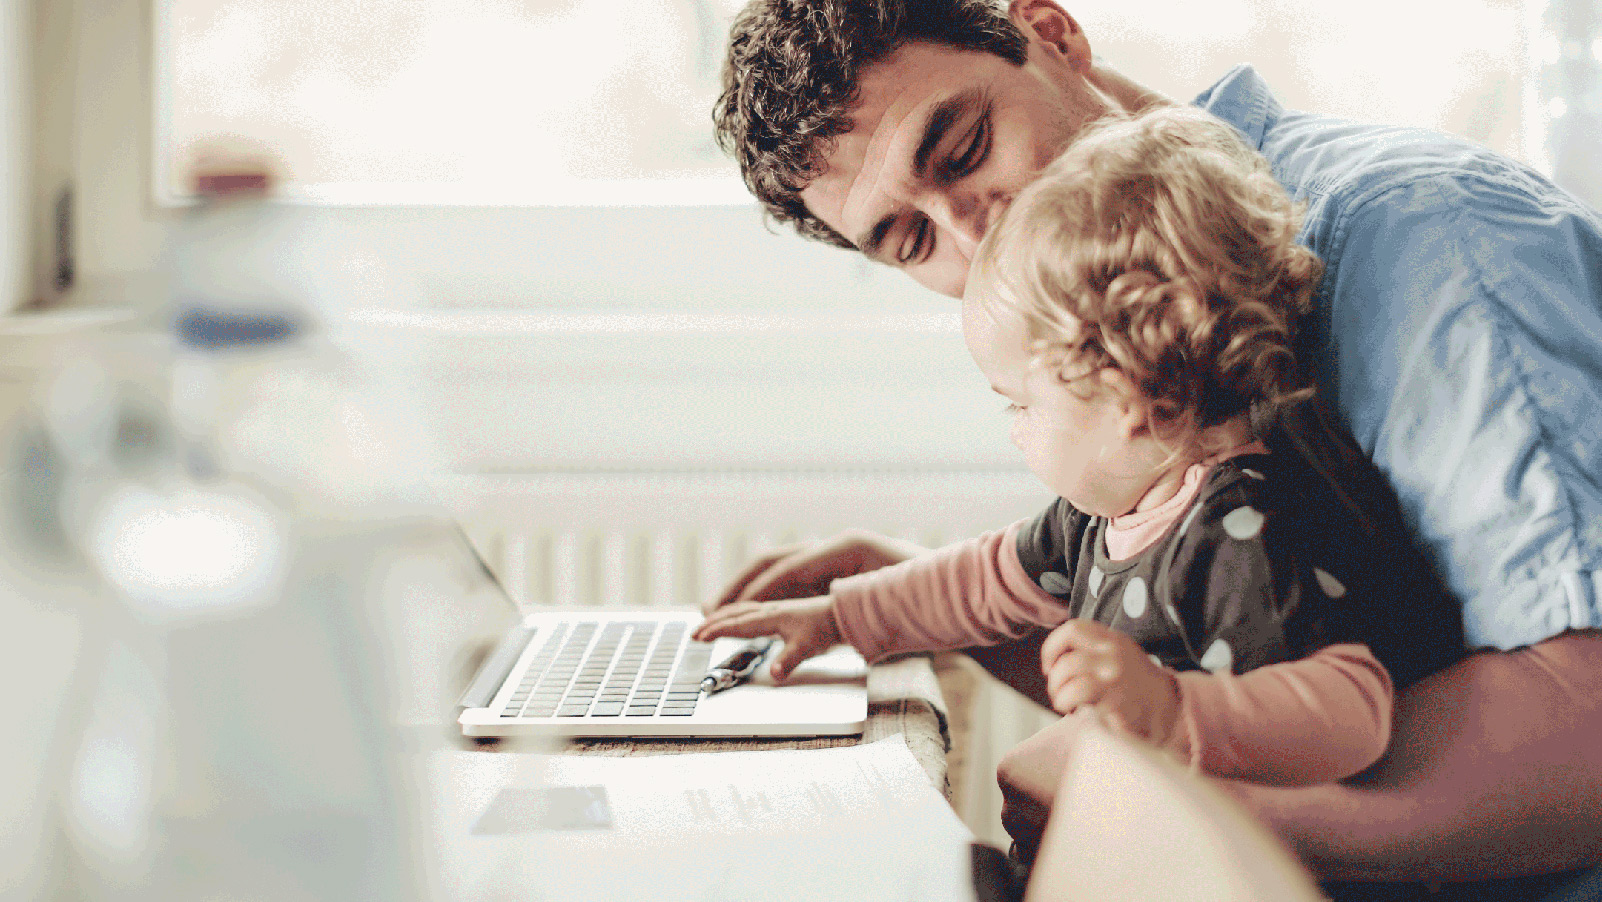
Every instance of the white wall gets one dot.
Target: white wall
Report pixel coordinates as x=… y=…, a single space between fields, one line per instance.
x=757 y=391
x=94 y=123
x=96 y=127
x=16 y=92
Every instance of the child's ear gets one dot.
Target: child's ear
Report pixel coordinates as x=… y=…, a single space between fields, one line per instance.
x=1134 y=408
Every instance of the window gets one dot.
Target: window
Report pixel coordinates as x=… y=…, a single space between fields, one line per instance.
x=499 y=102
x=587 y=102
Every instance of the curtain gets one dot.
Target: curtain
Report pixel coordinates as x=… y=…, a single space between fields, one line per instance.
x=1568 y=79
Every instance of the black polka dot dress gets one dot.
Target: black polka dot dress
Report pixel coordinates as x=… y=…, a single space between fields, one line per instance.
x=1266 y=565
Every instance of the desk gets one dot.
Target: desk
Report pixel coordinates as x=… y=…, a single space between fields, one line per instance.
x=824 y=824
x=903 y=697
x=443 y=634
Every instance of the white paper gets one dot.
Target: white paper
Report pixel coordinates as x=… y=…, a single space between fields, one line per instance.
x=859 y=822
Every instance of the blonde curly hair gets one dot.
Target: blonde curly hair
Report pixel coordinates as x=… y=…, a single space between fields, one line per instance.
x=1162 y=246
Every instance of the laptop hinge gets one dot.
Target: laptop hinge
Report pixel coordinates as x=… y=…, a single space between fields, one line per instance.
x=496 y=668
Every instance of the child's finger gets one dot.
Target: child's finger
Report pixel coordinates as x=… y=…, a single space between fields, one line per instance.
x=789 y=658
x=1093 y=665
x=1074 y=634
x=1079 y=691
x=739 y=624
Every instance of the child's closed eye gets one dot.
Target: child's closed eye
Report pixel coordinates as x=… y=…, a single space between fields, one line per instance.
x=1014 y=408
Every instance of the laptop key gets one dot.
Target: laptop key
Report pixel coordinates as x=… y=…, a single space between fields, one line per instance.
x=606 y=709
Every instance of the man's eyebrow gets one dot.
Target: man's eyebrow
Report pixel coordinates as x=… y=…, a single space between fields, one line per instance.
x=936 y=124
x=939 y=121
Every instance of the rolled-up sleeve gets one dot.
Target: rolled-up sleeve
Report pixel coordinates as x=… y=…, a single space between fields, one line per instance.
x=1466 y=321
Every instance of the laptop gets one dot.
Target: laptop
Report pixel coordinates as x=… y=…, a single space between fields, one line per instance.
x=589 y=672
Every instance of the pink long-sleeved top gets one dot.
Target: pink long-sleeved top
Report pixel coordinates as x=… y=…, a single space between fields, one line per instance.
x=1313 y=720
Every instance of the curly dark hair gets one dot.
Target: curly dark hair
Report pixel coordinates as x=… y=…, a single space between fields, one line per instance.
x=790 y=82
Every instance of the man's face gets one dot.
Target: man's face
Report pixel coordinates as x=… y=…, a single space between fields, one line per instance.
x=941 y=142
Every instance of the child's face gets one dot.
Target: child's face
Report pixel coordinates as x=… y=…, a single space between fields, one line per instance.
x=1087 y=441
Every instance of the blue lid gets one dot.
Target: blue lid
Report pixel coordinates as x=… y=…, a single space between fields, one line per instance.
x=210 y=328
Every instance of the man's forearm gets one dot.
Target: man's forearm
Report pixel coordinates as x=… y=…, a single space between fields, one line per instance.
x=1494 y=770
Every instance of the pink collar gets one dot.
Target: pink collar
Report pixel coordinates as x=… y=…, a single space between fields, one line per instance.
x=1134 y=532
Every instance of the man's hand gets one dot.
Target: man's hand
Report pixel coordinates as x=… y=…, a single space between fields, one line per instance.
x=805 y=570
x=806 y=625
x=1088 y=665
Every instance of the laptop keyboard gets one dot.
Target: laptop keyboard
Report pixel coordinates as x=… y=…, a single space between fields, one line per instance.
x=626 y=671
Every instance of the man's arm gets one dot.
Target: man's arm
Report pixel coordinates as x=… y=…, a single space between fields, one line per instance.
x=1494 y=770
x=805 y=570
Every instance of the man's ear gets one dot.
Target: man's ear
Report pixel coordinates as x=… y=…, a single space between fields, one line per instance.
x=1049 y=25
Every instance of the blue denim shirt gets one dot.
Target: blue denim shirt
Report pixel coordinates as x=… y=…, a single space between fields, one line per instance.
x=1458 y=330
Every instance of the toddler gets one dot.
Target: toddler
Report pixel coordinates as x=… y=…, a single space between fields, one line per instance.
x=1223 y=574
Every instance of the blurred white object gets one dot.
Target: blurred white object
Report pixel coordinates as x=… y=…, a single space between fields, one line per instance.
x=179 y=552
x=231 y=731
x=853 y=824
x=1130 y=824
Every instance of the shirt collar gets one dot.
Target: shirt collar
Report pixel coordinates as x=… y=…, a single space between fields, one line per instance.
x=1242 y=99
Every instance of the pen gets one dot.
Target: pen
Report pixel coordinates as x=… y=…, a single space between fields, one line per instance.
x=737 y=668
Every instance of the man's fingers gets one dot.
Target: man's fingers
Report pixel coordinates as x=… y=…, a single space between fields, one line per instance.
x=800 y=574
x=735 y=591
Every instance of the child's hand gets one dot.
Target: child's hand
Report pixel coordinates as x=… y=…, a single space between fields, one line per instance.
x=806 y=625
x=1088 y=665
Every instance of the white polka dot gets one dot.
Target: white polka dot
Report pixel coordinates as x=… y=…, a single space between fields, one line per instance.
x=1243 y=523
x=1173 y=613
x=1218 y=657
x=1190 y=518
x=1135 y=598
x=1253 y=474
x=1096 y=577
x=1056 y=583
x=1155 y=660
x=1331 y=586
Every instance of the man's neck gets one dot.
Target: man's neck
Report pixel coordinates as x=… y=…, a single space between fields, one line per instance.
x=1127 y=93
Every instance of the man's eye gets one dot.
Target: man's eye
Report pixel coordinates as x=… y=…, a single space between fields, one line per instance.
x=973 y=152
x=914 y=244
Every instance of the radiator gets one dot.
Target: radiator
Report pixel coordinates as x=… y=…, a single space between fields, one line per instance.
x=675 y=537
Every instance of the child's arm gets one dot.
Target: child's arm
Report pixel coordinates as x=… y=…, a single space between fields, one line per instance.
x=1318 y=719
x=966 y=594
x=969 y=593
x=805 y=624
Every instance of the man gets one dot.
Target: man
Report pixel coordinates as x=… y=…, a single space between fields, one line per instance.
x=1458 y=331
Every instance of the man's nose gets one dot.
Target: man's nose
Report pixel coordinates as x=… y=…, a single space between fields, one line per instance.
x=967 y=216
